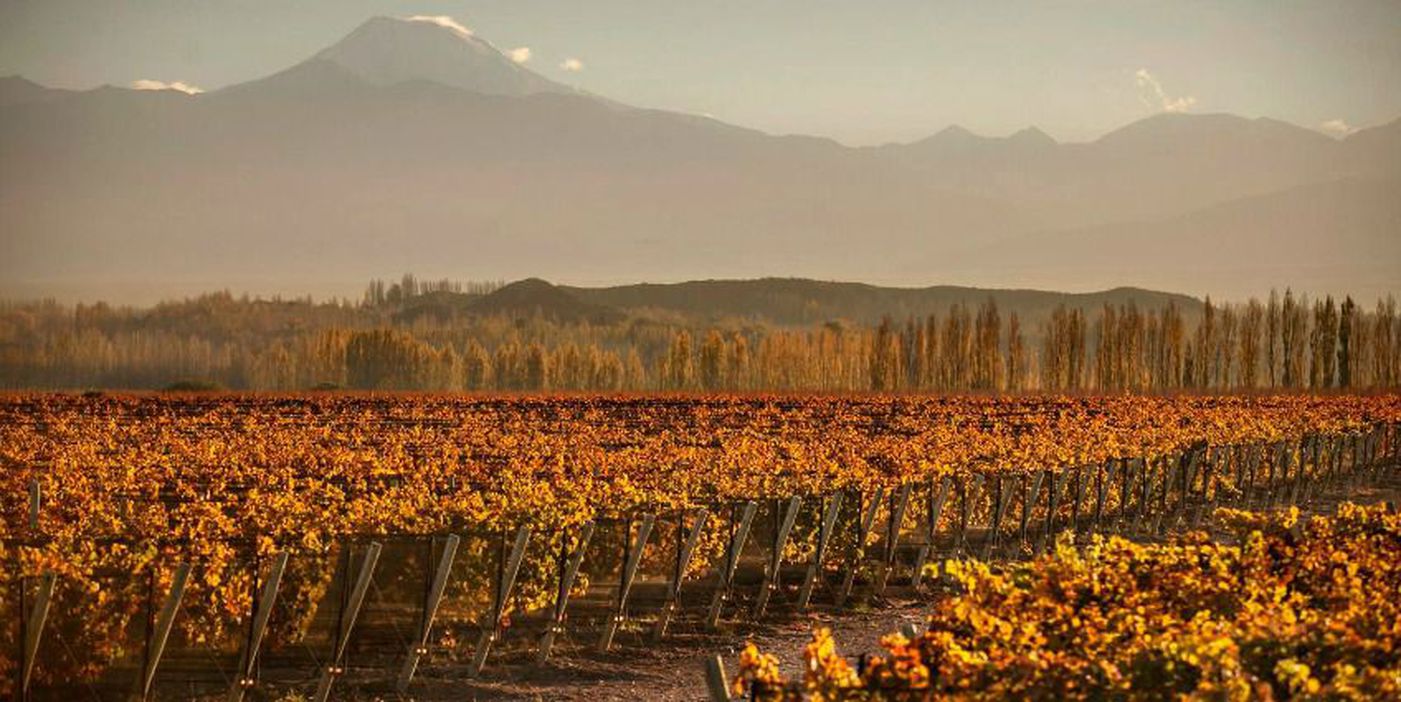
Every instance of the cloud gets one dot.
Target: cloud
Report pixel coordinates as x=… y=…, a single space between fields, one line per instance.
x=520 y=54
x=1337 y=127
x=182 y=86
x=1151 y=93
x=572 y=65
x=443 y=21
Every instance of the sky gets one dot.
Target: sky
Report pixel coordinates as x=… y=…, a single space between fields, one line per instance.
x=861 y=72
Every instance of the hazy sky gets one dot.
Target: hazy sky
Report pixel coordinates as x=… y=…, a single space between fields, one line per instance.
x=861 y=71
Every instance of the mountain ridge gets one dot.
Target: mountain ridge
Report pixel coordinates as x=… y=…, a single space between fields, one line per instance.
x=318 y=163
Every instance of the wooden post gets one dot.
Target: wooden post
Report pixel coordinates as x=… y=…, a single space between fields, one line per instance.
x=492 y=630
x=717 y=684
x=824 y=535
x=1207 y=501
x=248 y=659
x=1002 y=496
x=1121 y=519
x=1146 y=499
x=780 y=540
x=727 y=572
x=865 y=520
x=960 y=537
x=685 y=548
x=936 y=508
x=569 y=570
x=1052 y=504
x=1299 y=491
x=1174 y=473
x=1079 y=488
x=36 y=498
x=629 y=572
x=1030 y=495
x=1359 y=461
x=163 y=624
x=33 y=622
x=346 y=622
x=892 y=537
x=1104 y=476
x=419 y=648
x=1254 y=455
x=1232 y=456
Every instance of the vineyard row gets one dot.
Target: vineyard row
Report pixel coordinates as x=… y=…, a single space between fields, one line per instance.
x=745 y=557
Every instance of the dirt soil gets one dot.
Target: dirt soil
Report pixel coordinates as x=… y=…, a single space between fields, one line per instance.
x=674 y=670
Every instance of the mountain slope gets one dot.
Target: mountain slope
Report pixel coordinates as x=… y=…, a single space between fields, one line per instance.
x=412 y=146
x=15 y=90
x=385 y=51
x=1339 y=236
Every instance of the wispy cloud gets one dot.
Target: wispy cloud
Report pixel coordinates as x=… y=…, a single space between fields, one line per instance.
x=182 y=86
x=444 y=21
x=1337 y=127
x=572 y=65
x=520 y=54
x=1151 y=92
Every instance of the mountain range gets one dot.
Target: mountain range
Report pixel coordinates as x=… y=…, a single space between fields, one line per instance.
x=411 y=145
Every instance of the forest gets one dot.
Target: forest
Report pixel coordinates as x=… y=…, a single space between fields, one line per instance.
x=532 y=336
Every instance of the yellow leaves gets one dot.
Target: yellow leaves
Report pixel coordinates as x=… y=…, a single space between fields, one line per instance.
x=1164 y=622
x=296 y=473
x=756 y=667
x=1297 y=676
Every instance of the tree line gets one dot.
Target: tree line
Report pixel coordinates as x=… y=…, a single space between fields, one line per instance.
x=1286 y=342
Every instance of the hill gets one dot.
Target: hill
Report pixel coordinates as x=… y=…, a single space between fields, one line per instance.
x=795 y=301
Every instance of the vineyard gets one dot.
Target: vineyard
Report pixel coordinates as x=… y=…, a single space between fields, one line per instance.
x=1294 y=608
x=232 y=546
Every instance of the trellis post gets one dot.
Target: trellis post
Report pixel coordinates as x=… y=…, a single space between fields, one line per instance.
x=892 y=537
x=569 y=571
x=345 y=623
x=1104 y=476
x=716 y=682
x=780 y=540
x=419 y=648
x=1207 y=501
x=830 y=509
x=36 y=498
x=1002 y=496
x=506 y=579
x=33 y=628
x=865 y=520
x=1030 y=495
x=727 y=571
x=1079 y=489
x=1052 y=505
x=936 y=508
x=262 y=612
x=685 y=548
x=1126 y=483
x=629 y=572
x=156 y=644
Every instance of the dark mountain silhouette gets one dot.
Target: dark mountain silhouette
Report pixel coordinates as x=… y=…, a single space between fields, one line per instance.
x=536 y=297
x=777 y=301
x=798 y=301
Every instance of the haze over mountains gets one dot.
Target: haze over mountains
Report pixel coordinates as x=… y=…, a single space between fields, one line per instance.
x=414 y=146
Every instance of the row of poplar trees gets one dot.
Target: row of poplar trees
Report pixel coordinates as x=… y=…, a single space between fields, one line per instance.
x=1283 y=343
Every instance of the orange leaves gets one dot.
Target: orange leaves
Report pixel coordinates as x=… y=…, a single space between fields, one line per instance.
x=1279 y=616
x=297 y=472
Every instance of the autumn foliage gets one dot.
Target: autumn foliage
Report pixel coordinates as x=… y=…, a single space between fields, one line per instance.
x=1296 y=609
